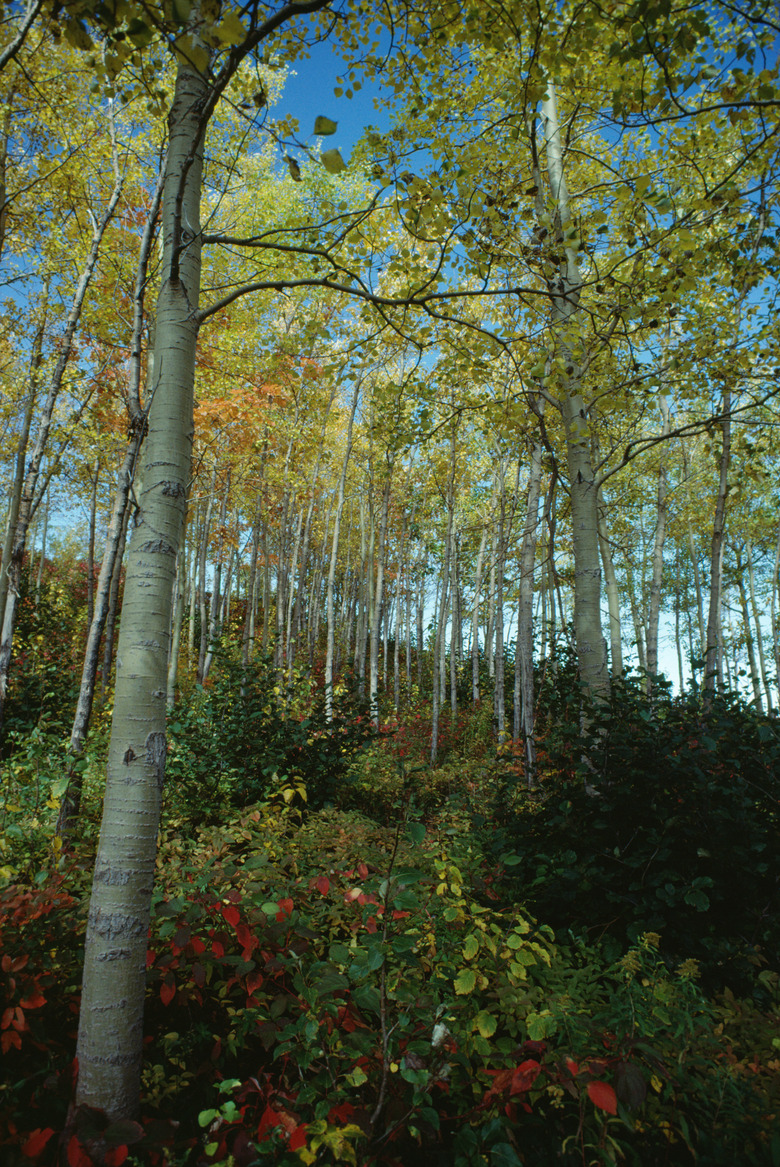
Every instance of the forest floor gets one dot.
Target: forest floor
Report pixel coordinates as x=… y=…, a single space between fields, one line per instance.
x=437 y=966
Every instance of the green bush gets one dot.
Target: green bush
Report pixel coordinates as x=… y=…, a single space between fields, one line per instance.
x=238 y=736
x=656 y=817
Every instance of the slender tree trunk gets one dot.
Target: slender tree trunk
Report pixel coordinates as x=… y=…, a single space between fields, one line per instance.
x=757 y=624
x=373 y=690
x=455 y=628
x=248 y=636
x=17 y=487
x=498 y=619
x=657 y=562
x=716 y=549
x=113 y=608
x=94 y=479
x=613 y=595
x=639 y=631
x=677 y=634
x=202 y=560
x=442 y=606
x=524 y=711
x=330 y=605
x=214 y=628
x=475 y=618
x=750 y=647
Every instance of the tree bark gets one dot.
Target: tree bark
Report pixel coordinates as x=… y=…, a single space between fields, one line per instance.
x=712 y=656
x=524 y=651
x=583 y=493
x=110 y=1040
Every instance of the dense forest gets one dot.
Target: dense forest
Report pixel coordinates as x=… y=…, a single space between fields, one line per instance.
x=390 y=580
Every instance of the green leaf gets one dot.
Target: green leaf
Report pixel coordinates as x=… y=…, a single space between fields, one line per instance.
x=332 y=161
x=470 y=946
x=486 y=1023
x=504 y=1155
x=416 y=832
x=325 y=126
x=465 y=982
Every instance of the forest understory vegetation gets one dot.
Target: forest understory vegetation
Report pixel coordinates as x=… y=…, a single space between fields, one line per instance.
x=358 y=958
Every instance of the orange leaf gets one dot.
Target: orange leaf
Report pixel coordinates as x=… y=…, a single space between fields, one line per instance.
x=602 y=1095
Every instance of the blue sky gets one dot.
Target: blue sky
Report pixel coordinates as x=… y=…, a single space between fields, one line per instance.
x=308 y=93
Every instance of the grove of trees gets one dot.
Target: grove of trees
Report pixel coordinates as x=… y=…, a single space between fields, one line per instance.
x=393 y=533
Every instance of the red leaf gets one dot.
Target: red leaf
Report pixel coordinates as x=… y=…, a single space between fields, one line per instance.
x=602 y=1095
x=297 y=1138
x=36 y=1142
x=253 y=981
x=77 y=1156
x=167 y=992
x=231 y=915
x=9 y=1038
x=34 y=1001
x=218 y=949
x=247 y=939
x=524 y=1077
x=116 y=1156
x=323 y=885
x=341 y=1113
x=285 y=908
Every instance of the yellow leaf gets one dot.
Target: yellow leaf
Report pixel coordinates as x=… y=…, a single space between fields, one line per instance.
x=230 y=31
x=332 y=161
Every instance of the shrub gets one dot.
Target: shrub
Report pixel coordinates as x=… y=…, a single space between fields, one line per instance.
x=659 y=818
x=235 y=738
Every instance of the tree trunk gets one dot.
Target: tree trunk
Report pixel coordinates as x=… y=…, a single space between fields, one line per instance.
x=524 y=649
x=94 y=479
x=330 y=609
x=712 y=656
x=583 y=493
x=442 y=606
x=373 y=689
x=17 y=487
x=475 y=618
x=613 y=595
x=657 y=562
x=757 y=623
x=110 y=1040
